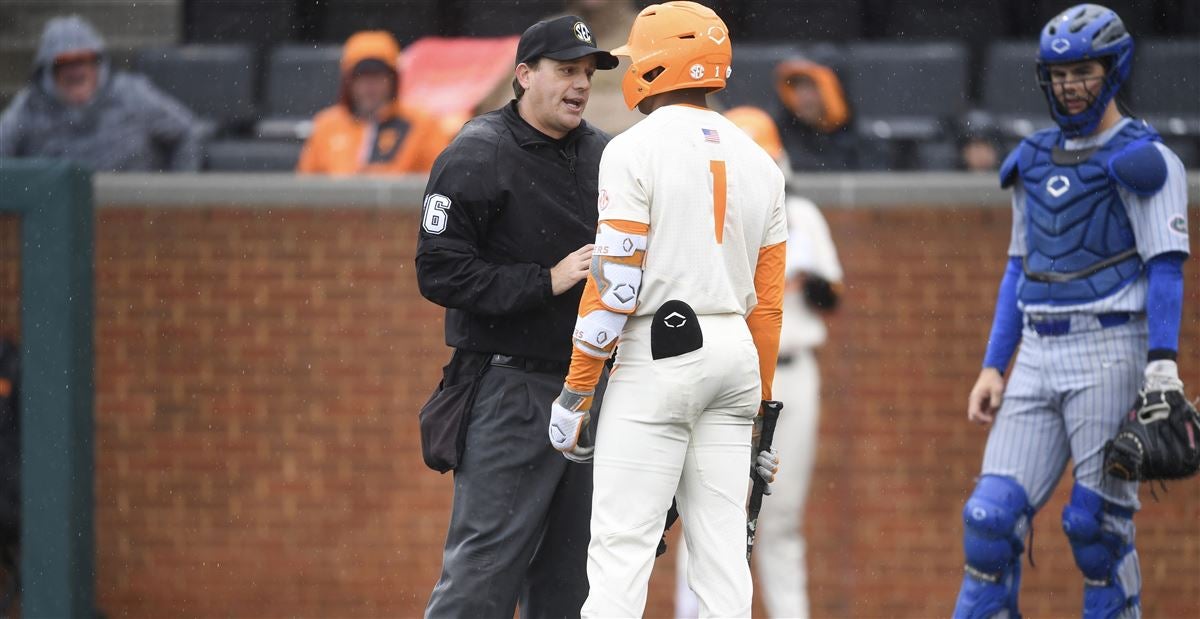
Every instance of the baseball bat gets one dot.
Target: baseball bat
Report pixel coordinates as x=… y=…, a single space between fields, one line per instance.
x=771 y=410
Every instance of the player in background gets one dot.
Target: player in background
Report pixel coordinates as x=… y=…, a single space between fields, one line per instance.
x=688 y=271
x=1093 y=293
x=813 y=290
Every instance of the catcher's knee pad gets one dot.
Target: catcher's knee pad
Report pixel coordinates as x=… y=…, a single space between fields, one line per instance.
x=995 y=519
x=1101 y=536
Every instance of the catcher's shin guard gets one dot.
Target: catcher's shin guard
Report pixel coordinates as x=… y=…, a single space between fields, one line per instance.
x=1101 y=536
x=995 y=517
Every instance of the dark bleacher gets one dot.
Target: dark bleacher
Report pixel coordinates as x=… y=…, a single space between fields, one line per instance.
x=217 y=82
x=1011 y=96
x=497 y=19
x=905 y=91
x=794 y=22
x=407 y=20
x=967 y=21
x=753 y=78
x=301 y=80
x=919 y=74
x=252 y=155
x=259 y=23
x=1166 y=85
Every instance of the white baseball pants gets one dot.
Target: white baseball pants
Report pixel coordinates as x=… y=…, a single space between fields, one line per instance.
x=675 y=427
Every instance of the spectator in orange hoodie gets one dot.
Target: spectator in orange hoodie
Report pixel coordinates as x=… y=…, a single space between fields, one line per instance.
x=369 y=131
x=814 y=119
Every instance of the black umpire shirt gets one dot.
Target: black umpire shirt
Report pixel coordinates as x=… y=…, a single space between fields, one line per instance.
x=504 y=204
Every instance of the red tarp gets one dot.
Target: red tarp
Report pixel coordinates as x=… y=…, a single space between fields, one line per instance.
x=450 y=76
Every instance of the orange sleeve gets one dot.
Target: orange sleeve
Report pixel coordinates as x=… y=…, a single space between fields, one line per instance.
x=585 y=369
x=308 y=156
x=766 y=318
x=427 y=138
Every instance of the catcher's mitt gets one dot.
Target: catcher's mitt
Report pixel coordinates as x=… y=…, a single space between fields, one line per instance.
x=1159 y=440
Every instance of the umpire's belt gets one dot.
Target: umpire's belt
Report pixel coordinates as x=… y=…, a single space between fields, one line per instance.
x=541 y=366
x=1051 y=325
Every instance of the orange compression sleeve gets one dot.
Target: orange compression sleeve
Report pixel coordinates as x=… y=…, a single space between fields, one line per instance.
x=766 y=318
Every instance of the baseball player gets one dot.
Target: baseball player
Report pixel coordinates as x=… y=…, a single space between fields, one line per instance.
x=1093 y=292
x=814 y=276
x=688 y=271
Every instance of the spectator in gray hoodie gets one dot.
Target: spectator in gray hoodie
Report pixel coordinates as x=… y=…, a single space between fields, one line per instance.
x=75 y=107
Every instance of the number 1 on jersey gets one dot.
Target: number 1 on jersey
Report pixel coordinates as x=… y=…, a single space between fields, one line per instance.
x=718 y=172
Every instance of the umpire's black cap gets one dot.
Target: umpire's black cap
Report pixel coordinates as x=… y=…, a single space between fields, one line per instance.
x=562 y=38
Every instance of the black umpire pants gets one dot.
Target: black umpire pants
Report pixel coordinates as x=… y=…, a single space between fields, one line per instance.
x=519 y=526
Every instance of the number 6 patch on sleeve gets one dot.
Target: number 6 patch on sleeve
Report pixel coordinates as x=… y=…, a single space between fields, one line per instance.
x=434 y=215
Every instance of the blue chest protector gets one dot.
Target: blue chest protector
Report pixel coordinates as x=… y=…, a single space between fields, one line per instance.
x=1080 y=246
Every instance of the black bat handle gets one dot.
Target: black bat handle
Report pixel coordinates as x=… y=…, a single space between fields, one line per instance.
x=771 y=410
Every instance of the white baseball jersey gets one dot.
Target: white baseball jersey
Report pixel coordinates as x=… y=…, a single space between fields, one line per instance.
x=810 y=249
x=699 y=249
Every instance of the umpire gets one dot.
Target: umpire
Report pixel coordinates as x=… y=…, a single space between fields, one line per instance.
x=505 y=243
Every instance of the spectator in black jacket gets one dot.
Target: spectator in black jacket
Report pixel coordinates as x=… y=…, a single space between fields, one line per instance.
x=505 y=243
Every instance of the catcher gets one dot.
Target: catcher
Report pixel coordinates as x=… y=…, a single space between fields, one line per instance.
x=1092 y=292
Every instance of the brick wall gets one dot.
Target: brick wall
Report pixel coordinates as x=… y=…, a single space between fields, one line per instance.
x=258 y=374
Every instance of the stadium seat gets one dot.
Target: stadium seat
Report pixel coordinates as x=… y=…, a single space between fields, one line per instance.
x=497 y=19
x=753 y=79
x=407 y=20
x=237 y=21
x=216 y=82
x=905 y=90
x=970 y=22
x=252 y=155
x=1165 y=85
x=820 y=20
x=936 y=155
x=301 y=80
x=1011 y=95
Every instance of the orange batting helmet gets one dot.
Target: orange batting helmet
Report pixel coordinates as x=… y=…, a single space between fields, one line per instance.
x=672 y=46
x=759 y=126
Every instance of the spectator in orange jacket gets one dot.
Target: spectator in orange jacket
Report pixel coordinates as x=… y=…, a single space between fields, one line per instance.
x=813 y=119
x=369 y=131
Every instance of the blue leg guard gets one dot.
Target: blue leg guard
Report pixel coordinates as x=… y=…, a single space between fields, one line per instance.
x=996 y=518
x=1101 y=536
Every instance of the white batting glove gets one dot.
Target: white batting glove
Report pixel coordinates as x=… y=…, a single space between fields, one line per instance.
x=568 y=417
x=767 y=467
x=1162 y=375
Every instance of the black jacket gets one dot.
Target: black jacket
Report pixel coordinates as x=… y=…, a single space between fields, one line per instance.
x=504 y=204
x=810 y=150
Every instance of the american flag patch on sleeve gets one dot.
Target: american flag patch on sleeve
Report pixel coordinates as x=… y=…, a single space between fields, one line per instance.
x=711 y=135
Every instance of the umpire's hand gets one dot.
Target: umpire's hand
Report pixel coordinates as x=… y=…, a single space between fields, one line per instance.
x=571 y=270
x=985 y=398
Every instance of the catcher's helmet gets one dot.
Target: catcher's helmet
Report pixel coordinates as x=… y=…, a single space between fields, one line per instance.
x=672 y=46
x=1085 y=32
